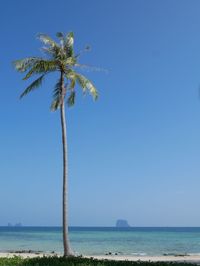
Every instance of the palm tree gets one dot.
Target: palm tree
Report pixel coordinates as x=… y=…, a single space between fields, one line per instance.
x=59 y=58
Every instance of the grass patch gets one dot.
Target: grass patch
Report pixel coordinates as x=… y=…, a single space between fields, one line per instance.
x=78 y=261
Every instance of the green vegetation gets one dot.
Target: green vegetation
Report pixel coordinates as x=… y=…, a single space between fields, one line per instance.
x=79 y=261
x=61 y=59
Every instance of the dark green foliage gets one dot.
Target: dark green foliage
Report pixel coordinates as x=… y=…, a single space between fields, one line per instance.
x=56 y=96
x=34 y=85
x=71 y=99
x=79 y=261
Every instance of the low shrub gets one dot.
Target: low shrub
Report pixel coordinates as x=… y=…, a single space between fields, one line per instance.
x=79 y=261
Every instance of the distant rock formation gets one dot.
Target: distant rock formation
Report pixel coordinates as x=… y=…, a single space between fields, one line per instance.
x=122 y=223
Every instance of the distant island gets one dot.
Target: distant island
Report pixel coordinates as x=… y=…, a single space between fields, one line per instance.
x=122 y=223
x=15 y=225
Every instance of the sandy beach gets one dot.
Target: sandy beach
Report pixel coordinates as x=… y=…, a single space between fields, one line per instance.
x=187 y=258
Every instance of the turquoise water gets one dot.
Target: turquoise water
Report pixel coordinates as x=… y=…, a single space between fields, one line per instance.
x=101 y=240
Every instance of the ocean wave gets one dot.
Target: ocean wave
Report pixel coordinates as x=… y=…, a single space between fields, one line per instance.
x=175 y=254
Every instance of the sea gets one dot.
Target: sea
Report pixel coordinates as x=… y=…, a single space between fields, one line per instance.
x=133 y=241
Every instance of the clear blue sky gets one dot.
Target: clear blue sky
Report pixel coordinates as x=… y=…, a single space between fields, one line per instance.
x=134 y=154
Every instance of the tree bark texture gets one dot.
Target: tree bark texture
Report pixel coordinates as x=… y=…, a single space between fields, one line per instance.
x=67 y=249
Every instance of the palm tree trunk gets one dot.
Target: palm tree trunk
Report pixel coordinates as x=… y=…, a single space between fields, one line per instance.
x=67 y=249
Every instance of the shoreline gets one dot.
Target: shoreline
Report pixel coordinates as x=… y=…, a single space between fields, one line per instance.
x=164 y=258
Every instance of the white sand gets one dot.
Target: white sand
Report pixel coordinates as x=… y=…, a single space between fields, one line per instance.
x=23 y=255
x=191 y=258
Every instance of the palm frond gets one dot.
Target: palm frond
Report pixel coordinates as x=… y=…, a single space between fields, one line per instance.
x=83 y=82
x=23 y=65
x=70 y=62
x=72 y=84
x=57 y=96
x=53 y=51
x=55 y=105
x=42 y=66
x=69 y=44
x=86 y=49
x=47 y=50
x=86 y=84
x=34 y=85
x=71 y=98
x=46 y=40
x=60 y=36
x=90 y=68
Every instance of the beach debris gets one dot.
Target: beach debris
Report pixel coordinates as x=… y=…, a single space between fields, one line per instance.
x=26 y=251
x=108 y=253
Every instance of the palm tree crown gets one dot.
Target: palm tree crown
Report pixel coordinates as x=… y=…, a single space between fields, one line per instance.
x=61 y=58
